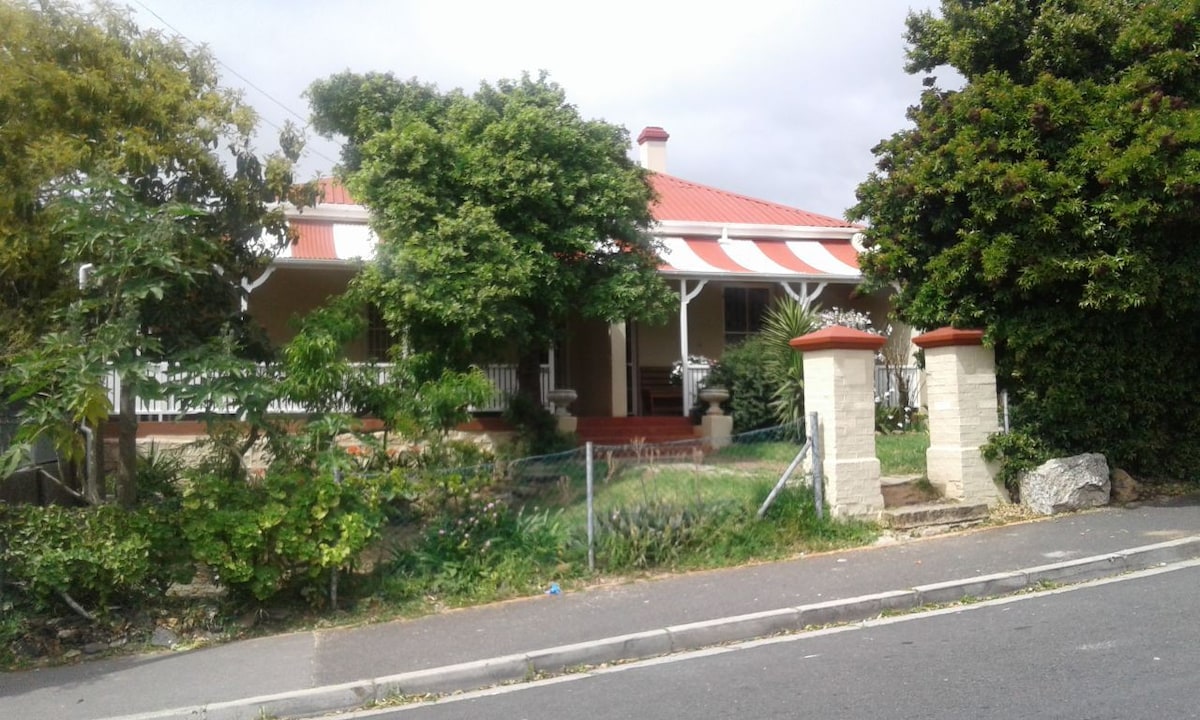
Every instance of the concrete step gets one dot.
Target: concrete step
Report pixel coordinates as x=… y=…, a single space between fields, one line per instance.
x=938 y=513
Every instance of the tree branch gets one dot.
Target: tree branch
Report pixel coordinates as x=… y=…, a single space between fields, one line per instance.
x=69 y=490
x=76 y=606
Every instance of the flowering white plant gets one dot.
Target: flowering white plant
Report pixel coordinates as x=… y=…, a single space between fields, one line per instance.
x=855 y=319
x=677 y=367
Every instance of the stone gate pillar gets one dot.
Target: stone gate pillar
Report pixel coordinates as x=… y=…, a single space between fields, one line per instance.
x=960 y=378
x=839 y=384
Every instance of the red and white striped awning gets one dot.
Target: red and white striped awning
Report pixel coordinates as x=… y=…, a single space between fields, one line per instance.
x=761 y=258
x=774 y=258
x=329 y=241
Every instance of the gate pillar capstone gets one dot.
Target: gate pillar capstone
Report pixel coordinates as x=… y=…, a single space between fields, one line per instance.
x=960 y=377
x=839 y=384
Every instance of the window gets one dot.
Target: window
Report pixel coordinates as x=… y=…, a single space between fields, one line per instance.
x=380 y=339
x=744 y=311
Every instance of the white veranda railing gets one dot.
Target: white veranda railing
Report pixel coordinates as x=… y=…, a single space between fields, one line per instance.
x=503 y=377
x=890 y=384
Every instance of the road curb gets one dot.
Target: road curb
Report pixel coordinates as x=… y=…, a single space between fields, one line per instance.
x=677 y=638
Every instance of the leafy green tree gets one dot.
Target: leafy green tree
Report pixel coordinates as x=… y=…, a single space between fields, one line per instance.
x=114 y=126
x=87 y=92
x=502 y=215
x=1051 y=199
x=134 y=254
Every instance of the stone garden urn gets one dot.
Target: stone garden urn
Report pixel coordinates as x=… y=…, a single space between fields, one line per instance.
x=561 y=398
x=714 y=396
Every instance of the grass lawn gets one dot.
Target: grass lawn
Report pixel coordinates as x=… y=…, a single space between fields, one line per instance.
x=902 y=453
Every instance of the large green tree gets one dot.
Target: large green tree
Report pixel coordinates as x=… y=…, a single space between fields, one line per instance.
x=1053 y=199
x=87 y=92
x=88 y=99
x=502 y=214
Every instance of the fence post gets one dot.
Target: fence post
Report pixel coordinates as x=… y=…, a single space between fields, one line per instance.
x=818 y=477
x=591 y=517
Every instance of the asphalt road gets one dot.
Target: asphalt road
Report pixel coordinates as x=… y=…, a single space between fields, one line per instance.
x=1126 y=649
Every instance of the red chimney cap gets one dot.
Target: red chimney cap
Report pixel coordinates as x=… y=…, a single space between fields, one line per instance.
x=652 y=132
x=836 y=337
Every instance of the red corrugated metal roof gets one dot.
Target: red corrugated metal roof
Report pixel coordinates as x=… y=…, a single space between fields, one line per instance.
x=334 y=193
x=685 y=201
x=314 y=240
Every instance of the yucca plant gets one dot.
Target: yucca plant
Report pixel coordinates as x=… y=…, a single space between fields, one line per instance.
x=787 y=319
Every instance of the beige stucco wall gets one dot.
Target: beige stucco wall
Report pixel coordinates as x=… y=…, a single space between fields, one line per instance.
x=291 y=293
x=658 y=345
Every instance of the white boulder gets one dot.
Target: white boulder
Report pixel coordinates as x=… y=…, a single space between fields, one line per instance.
x=1066 y=484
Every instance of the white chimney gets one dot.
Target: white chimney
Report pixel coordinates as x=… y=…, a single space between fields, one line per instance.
x=652 y=146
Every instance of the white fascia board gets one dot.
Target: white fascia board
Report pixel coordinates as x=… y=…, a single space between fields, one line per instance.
x=745 y=277
x=676 y=228
x=310 y=264
x=339 y=213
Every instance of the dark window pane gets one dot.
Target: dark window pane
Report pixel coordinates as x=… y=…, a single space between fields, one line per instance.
x=745 y=309
x=756 y=308
x=379 y=338
x=735 y=310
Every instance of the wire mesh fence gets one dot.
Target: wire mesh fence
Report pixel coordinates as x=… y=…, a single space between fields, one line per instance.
x=641 y=494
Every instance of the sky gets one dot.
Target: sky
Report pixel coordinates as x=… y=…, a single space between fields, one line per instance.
x=781 y=101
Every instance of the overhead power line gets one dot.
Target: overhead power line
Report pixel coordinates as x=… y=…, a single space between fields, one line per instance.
x=304 y=121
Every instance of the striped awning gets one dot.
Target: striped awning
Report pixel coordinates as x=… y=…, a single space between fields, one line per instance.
x=777 y=259
x=331 y=241
x=783 y=259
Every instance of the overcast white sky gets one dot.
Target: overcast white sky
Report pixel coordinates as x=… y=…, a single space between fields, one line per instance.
x=777 y=100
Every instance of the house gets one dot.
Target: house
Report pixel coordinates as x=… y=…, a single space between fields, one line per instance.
x=726 y=255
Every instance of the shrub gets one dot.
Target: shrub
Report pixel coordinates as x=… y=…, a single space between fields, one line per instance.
x=1016 y=452
x=283 y=533
x=742 y=371
x=97 y=556
x=891 y=419
x=487 y=550
x=656 y=533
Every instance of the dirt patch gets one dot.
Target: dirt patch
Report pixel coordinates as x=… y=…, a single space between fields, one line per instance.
x=907 y=491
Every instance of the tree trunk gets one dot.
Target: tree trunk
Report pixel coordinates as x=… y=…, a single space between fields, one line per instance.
x=529 y=376
x=127 y=447
x=93 y=481
x=70 y=473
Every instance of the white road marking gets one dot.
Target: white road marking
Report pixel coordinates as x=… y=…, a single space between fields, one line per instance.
x=751 y=644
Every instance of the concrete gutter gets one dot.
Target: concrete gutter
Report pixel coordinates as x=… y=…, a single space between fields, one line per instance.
x=677 y=638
